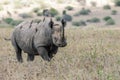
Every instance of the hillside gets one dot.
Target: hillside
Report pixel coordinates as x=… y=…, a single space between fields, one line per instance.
x=15 y=11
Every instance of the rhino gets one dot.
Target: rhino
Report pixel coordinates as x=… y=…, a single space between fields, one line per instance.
x=43 y=38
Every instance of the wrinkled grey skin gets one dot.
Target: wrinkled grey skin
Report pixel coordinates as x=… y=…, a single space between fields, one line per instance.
x=42 y=39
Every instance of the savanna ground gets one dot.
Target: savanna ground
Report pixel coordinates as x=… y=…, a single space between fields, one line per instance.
x=91 y=54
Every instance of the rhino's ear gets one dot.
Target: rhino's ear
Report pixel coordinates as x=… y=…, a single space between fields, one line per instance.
x=63 y=21
x=51 y=23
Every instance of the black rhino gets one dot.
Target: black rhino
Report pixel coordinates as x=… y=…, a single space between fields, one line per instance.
x=41 y=38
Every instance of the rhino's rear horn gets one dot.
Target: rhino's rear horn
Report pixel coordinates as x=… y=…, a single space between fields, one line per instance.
x=63 y=21
x=51 y=23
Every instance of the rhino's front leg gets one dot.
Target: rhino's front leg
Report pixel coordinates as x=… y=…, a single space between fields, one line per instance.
x=43 y=53
x=30 y=57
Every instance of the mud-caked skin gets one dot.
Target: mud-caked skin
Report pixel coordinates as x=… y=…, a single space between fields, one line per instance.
x=41 y=38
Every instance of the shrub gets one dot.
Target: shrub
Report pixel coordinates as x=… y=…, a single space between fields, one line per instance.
x=15 y=22
x=12 y=22
x=46 y=12
x=58 y=18
x=114 y=12
x=25 y=15
x=84 y=11
x=82 y=23
x=79 y=23
x=107 y=18
x=64 y=12
x=106 y=7
x=110 y=22
x=39 y=13
x=8 y=20
x=67 y=17
x=94 y=20
x=53 y=12
x=69 y=8
x=36 y=10
x=75 y=23
x=117 y=2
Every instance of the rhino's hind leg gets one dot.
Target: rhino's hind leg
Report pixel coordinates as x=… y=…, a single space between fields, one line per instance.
x=19 y=54
x=43 y=53
x=30 y=57
x=17 y=50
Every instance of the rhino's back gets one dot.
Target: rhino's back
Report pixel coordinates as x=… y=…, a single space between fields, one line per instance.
x=23 y=34
x=32 y=36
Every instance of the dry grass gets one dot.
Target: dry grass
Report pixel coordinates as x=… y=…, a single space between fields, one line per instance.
x=91 y=54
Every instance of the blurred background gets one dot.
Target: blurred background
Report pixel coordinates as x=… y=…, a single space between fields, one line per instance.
x=76 y=12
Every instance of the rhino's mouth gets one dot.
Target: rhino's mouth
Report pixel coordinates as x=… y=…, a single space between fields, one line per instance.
x=63 y=44
x=59 y=42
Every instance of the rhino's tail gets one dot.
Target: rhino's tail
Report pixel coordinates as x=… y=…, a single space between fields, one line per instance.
x=7 y=39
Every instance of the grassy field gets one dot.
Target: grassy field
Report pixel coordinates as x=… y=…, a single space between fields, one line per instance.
x=91 y=54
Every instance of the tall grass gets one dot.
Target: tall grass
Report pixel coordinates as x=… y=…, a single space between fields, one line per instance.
x=91 y=54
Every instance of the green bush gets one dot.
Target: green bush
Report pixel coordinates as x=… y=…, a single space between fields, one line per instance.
x=106 y=7
x=114 y=12
x=117 y=2
x=15 y=22
x=75 y=24
x=107 y=18
x=64 y=12
x=53 y=12
x=79 y=23
x=84 y=11
x=12 y=21
x=25 y=15
x=67 y=17
x=39 y=13
x=94 y=20
x=82 y=23
x=8 y=20
x=36 y=10
x=69 y=8
x=58 y=18
x=110 y=22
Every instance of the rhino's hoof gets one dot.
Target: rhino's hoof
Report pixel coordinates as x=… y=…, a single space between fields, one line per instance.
x=47 y=59
x=29 y=60
x=20 y=60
